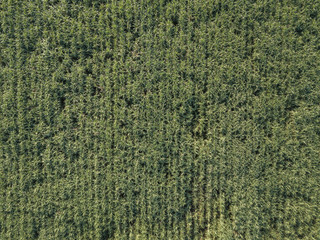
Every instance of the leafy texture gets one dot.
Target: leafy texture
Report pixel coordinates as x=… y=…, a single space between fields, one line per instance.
x=159 y=119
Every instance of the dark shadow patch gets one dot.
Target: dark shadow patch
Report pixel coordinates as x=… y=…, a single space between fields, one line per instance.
x=62 y=102
x=175 y=20
x=299 y=29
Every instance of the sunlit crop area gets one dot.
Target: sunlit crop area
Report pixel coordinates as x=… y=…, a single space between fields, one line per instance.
x=159 y=119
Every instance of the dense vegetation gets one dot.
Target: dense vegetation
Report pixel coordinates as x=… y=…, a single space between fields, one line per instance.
x=159 y=119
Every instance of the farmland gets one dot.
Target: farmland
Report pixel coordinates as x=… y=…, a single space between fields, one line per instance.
x=159 y=119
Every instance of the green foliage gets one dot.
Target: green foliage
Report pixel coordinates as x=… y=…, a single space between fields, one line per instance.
x=159 y=119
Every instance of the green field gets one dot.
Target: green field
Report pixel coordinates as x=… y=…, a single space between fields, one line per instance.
x=166 y=119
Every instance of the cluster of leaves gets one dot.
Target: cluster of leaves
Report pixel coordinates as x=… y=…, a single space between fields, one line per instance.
x=159 y=119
